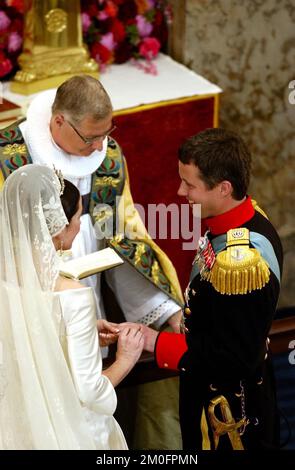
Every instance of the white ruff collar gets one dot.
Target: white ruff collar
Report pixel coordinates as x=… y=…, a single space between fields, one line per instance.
x=45 y=151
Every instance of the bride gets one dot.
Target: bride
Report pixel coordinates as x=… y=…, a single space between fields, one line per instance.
x=53 y=392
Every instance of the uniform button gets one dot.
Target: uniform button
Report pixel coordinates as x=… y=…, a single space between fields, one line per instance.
x=187 y=311
x=165 y=364
x=183 y=369
x=267 y=340
x=193 y=292
x=265 y=357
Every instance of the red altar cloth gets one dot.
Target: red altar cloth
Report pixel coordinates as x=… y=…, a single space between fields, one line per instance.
x=150 y=137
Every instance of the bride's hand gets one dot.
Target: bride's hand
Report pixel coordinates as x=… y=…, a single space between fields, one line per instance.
x=107 y=332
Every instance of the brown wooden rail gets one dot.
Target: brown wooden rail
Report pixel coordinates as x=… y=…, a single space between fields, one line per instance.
x=281 y=333
x=146 y=370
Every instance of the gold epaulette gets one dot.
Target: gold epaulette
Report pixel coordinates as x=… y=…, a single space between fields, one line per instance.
x=257 y=208
x=239 y=269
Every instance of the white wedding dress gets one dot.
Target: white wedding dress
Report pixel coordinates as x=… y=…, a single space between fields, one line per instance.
x=79 y=338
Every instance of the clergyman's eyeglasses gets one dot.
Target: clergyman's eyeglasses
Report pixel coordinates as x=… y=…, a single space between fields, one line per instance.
x=91 y=140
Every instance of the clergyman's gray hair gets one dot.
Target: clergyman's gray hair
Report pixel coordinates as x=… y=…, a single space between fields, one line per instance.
x=81 y=96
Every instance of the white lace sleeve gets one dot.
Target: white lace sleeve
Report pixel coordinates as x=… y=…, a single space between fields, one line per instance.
x=139 y=299
x=160 y=314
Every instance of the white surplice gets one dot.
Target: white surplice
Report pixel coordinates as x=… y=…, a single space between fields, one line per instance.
x=138 y=298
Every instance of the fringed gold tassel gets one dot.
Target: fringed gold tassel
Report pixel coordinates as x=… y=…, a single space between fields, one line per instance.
x=239 y=270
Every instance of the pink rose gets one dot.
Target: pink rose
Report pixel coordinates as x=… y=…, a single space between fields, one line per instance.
x=102 y=15
x=14 y=42
x=149 y=48
x=4 y=21
x=107 y=40
x=86 y=22
x=143 y=26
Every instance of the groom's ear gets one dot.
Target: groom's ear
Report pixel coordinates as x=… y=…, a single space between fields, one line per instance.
x=226 y=188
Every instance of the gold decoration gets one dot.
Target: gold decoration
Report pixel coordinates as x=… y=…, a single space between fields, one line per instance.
x=155 y=271
x=117 y=239
x=227 y=426
x=102 y=214
x=140 y=250
x=258 y=209
x=1 y=180
x=25 y=77
x=13 y=149
x=206 y=444
x=239 y=269
x=107 y=181
x=61 y=182
x=53 y=49
x=165 y=263
x=240 y=235
x=173 y=291
x=56 y=20
x=112 y=153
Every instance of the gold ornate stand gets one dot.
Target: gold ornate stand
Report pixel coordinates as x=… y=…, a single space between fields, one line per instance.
x=53 y=48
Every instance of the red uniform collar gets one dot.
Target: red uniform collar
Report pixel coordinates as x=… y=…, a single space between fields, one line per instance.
x=235 y=217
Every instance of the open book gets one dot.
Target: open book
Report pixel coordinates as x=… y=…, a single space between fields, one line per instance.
x=87 y=265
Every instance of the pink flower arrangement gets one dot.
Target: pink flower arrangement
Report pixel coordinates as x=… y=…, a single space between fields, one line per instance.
x=119 y=30
x=114 y=30
x=11 y=30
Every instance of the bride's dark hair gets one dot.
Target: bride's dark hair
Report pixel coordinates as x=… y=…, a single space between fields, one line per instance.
x=70 y=199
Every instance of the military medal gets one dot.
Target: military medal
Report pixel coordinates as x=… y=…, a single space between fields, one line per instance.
x=182 y=327
x=185 y=311
x=186 y=294
x=205 y=256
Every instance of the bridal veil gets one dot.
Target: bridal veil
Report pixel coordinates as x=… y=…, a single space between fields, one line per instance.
x=39 y=407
